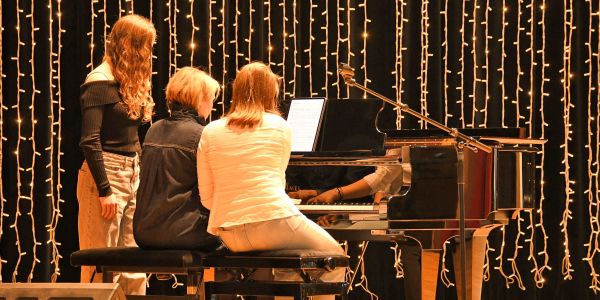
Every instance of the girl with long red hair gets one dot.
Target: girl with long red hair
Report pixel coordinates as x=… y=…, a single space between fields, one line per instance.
x=115 y=99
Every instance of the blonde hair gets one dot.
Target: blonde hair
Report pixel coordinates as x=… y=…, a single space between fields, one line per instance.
x=190 y=87
x=255 y=90
x=129 y=54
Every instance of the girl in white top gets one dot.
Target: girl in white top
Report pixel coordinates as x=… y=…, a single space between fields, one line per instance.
x=241 y=174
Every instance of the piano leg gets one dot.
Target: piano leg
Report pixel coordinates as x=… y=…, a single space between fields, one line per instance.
x=430 y=271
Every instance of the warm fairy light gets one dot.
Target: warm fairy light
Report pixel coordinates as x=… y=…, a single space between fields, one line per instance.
x=308 y=50
x=444 y=271
x=106 y=26
x=130 y=6
x=235 y=40
x=93 y=15
x=284 y=46
x=174 y=48
x=366 y=20
x=170 y=25
x=250 y=31
x=398 y=265
x=269 y=31
x=476 y=80
x=424 y=60
x=25 y=112
x=171 y=20
x=488 y=38
x=502 y=40
x=486 y=261
x=538 y=277
x=194 y=28
x=463 y=44
x=567 y=267
x=500 y=258
x=17 y=107
x=337 y=44
x=593 y=191
x=516 y=275
x=519 y=89
x=34 y=91
x=295 y=64
x=55 y=140
x=325 y=58
x=532 y=66
x=153 y=57
x=349 y=53
x=2 y=139
x=531 y=242
x=223 y=44
x=211 y=49
x=447 y=114
x=398 y=72
x=351 y=275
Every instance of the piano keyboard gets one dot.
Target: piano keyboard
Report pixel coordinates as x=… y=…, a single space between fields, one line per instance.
x=339 y=208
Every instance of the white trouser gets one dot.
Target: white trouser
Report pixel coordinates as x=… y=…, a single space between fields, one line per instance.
x=291 y=233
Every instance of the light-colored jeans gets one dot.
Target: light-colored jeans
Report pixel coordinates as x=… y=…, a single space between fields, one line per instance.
x=98 y=232
x=296 y=232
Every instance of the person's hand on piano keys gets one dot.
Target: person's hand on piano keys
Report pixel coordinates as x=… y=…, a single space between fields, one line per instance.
x=304 y=195
x=327 y=220
x=328 y=196
x=378 y=196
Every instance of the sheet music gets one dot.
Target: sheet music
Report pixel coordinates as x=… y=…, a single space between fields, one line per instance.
x=304 y=118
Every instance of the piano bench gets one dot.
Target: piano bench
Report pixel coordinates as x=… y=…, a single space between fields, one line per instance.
x=136 y=260
x=241 y=266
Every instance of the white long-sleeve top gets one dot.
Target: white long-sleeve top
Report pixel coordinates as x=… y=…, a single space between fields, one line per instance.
x=241 y=172
x=388 y=179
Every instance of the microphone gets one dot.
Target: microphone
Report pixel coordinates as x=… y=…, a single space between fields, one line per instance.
x=347 y=73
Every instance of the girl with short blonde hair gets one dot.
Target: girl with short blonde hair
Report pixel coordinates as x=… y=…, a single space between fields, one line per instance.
x=169 y=214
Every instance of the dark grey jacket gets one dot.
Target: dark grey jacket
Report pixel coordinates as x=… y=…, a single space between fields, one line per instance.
x=169 y=214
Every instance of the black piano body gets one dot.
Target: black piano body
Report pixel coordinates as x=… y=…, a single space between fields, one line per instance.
x=502 y=179
x=424 y=211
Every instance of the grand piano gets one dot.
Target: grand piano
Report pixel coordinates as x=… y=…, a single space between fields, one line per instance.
x=436 y=171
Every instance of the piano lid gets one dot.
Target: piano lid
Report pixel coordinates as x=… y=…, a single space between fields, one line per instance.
x=350 y=124
x=437 y=137
x=472 y=132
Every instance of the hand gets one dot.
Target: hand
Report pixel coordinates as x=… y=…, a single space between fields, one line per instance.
x=109 y=206
x=302 y=194
x=326 y=197
x=327 y=220
x=378 y=196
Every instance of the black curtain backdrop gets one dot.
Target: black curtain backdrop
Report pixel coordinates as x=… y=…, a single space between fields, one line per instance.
x=40 y=159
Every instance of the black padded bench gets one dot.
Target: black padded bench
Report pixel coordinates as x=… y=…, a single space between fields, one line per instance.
x=242 y=265
x=239 y=265
x=136 y=260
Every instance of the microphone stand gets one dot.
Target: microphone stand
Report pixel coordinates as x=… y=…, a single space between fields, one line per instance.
x=463 y=141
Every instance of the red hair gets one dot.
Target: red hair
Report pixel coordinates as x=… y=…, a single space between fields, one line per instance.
x=129 y=54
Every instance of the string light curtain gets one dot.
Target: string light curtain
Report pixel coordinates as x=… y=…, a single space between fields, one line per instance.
x=511 y=63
